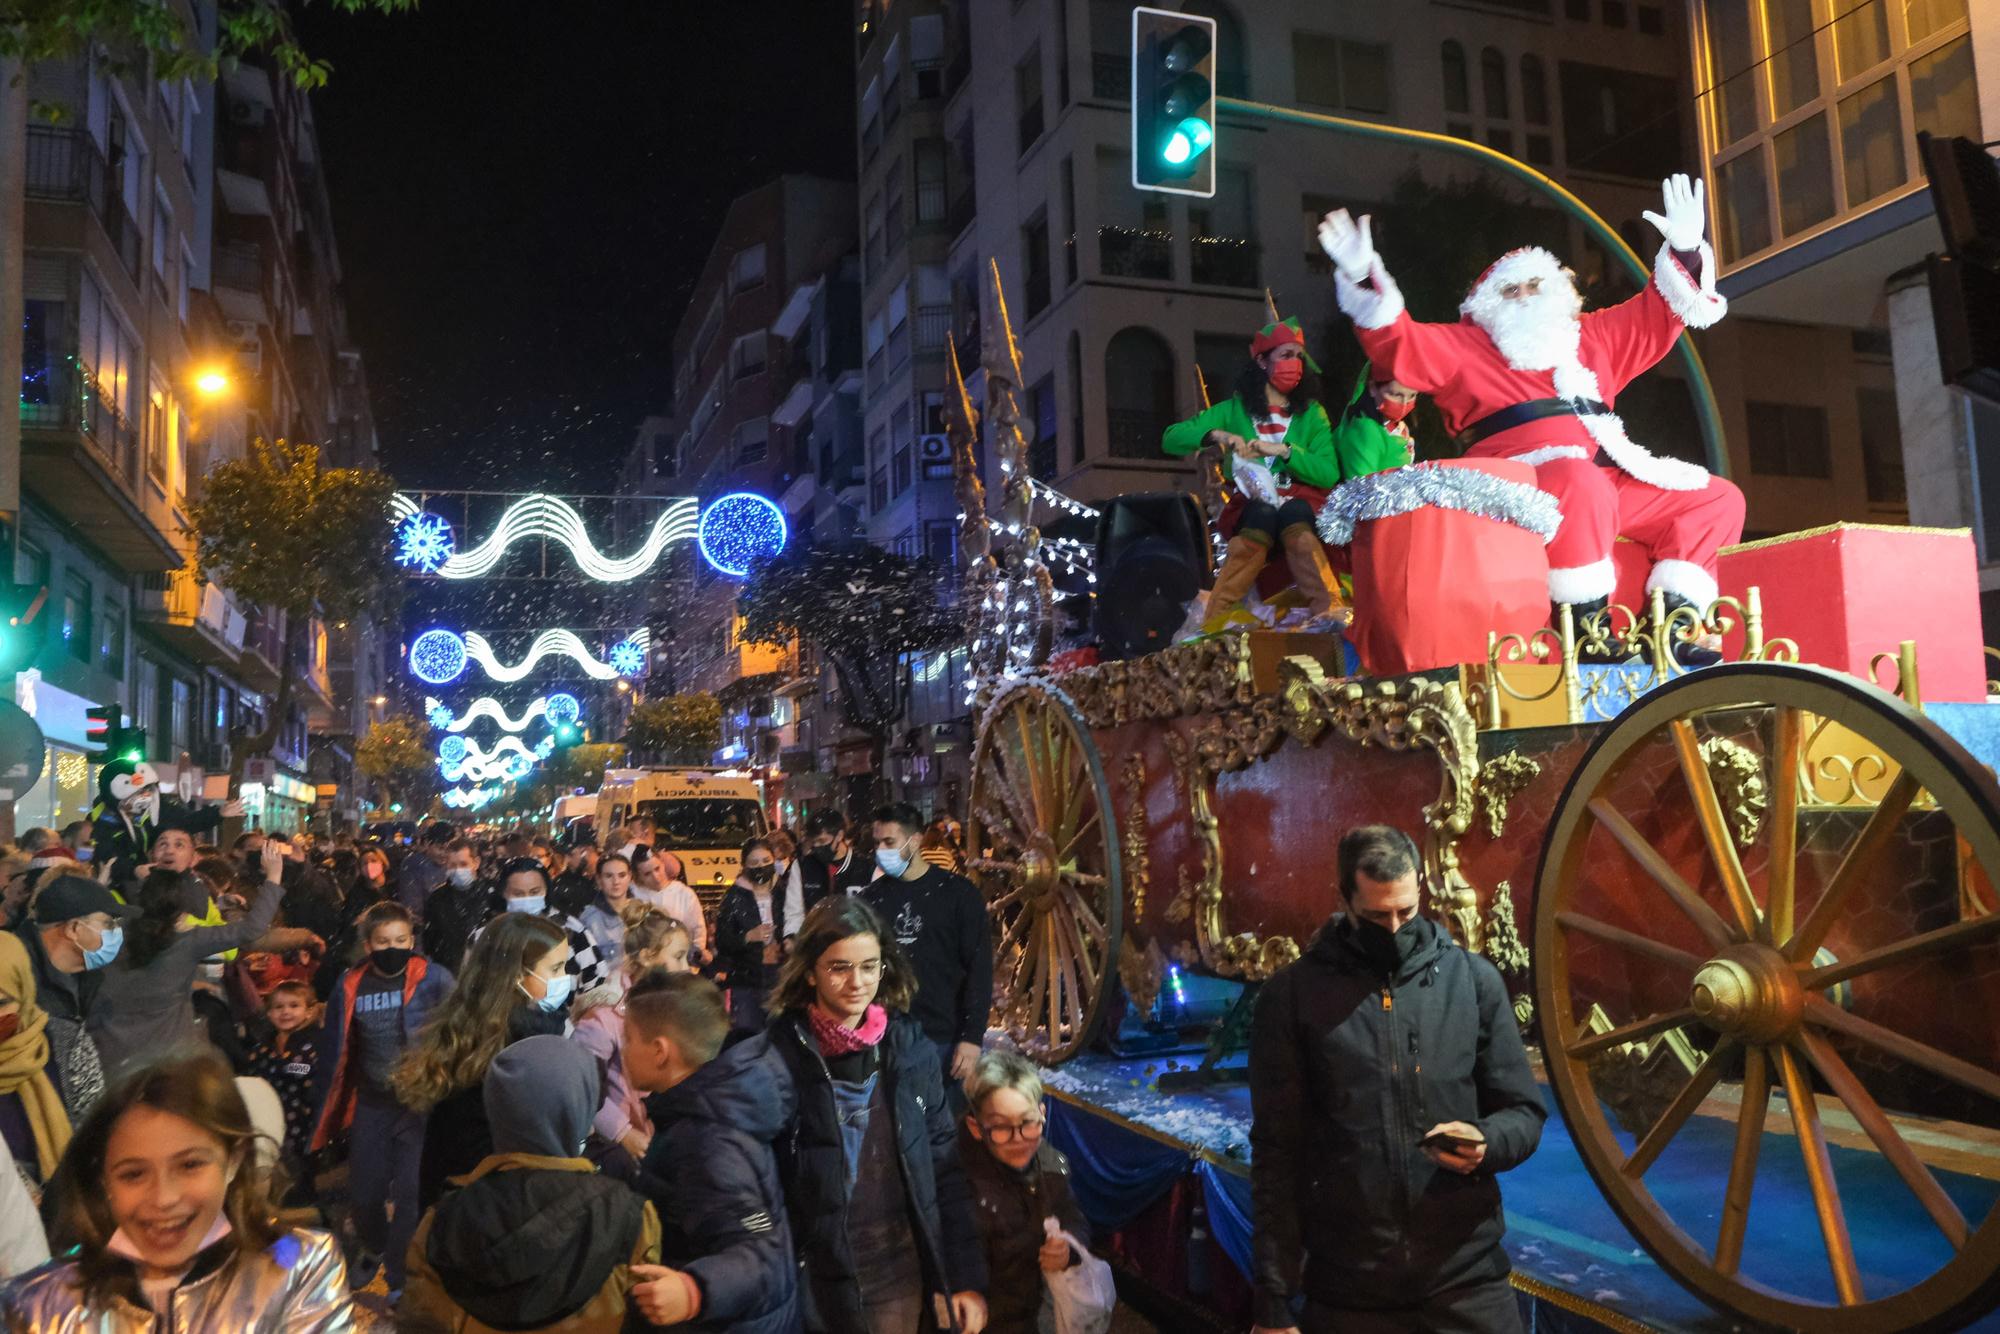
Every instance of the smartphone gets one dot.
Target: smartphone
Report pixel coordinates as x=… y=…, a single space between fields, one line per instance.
x=1450 y=1143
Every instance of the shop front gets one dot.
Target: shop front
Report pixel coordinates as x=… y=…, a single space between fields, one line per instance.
x=68 y=784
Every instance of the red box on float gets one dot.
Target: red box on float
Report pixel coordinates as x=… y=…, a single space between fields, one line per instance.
x=1848 y=592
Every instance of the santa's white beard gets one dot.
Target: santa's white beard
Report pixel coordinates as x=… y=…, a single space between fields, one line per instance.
x=1536 y=332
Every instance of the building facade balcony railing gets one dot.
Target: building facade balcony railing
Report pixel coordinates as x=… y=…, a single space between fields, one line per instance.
x=64 y=164
x=899 y=345
x=931 y=203
x=1134 y=433
x=1224 y=261
x=72 y=400
x=239 y=264
x=933 y=322
x=1123 y=252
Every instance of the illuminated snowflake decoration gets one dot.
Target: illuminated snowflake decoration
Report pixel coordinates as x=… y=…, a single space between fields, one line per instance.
x=740 y=530
x=562 y=709
x=517 y=766
x=452 y=750
x=438 y=712
x=424 y=542
x=545 y=747
x=437 y=657
x=627 y=658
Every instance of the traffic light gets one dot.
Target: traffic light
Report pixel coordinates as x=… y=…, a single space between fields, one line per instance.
x=1173 y=102
x=20 y=624
x=106 y=728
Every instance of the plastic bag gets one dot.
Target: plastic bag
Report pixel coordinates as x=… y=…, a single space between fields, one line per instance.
x=1082 y=1296
x=1254 y=478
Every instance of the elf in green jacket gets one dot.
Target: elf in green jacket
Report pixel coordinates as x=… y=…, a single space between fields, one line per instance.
x=1373 y=435
x=1274 y=417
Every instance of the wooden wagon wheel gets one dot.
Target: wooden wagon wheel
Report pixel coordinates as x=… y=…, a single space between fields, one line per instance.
x=1719 y=935
x=1045 y=853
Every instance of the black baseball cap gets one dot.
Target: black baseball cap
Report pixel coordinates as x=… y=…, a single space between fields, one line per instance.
x=68 y=897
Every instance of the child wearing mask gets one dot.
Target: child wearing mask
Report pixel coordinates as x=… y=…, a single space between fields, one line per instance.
x=374 y=1017
x=288 y=1060
x=623 y=1128
x=746 y=934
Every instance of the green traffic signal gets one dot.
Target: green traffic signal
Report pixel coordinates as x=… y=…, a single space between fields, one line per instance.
x=1190 y=139
x=1173 y=102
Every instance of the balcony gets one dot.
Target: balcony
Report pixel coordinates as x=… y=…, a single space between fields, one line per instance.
x=1135 y=434
x=263 y=650
x=80 y=455
x=933 y=323
x=958 y=214
x=1224 y=261
x=1123 y=252
x=65 y=166
x=198 y=619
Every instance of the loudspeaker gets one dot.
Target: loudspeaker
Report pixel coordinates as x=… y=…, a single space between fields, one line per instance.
x=1152 y=558
x=1965 y=313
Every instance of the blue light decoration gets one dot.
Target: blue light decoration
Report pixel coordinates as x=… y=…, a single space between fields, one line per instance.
x=562 y=708
x=437 y=657
x=424 y=541
x=440 y=714
x=627 y=657
x=452 y=749
x=739 y=530
x=545 y=747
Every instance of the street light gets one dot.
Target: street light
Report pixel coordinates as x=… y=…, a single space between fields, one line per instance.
x=213 y=382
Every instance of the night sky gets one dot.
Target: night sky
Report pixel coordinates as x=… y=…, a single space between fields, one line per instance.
x=523 y=195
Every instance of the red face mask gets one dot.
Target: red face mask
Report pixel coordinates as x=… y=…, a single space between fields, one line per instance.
x=10 y=1024
x=1285 y=375
x=1394 y=411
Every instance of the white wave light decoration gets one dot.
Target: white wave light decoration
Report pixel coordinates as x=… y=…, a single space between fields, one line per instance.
x=546 y=517
x=551 y=707
x=560 y=643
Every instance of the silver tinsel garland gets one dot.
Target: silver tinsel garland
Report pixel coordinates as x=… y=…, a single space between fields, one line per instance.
x=1384 y=495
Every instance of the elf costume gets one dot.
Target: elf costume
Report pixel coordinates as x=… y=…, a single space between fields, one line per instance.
x=1299 y=441
x=1367 y=439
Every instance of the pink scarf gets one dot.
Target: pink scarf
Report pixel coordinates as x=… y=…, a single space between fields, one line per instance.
x=837 y=1039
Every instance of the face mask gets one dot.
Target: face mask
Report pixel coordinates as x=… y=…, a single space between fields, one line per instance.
x=460 y=876
x=1386 y=949
x=557 y=994
x=1393 y=411
x=107 y=949
x=390 y=961
x=760 y=875
x=536 y=904
x=1285 y=375
x=10 y=1024
x=824 y=855
x=83 y=854
x=893 y=861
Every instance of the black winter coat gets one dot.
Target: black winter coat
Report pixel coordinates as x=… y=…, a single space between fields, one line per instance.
x=814 y=1167
x=734 y=953
x=1349 y=1068
x=1010 y=1207
x=452 y=915
x=712 y=1174
x=457 y=1135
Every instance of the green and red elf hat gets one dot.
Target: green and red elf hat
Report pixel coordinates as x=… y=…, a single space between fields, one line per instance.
x=1279 y=333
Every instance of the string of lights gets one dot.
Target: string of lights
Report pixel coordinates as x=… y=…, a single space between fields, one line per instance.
x=425 y=541
x=461 y=798
x=439 y=657
x=560 y=709
x=1048 y=495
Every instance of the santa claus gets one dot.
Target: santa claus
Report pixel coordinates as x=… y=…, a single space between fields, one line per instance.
x=1526 y=375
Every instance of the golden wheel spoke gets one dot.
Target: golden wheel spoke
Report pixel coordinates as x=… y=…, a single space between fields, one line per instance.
x=1060 y=978
x=1088 y=879
x=1036 y=769
x=1021 y=819
x=1038 y=947
x=1011 y=896
x=1630 y=940
x=1589 y=1044
x=1782 y=819
x=1715 y=829
x=1959 y=935
x=1648 y=1150
x=999 y=829
x=1086 y=916
x=1865 y=1110
x=1823 y=1012
x=1706 y=919
x=1069 y=847
x=1859 y=865
x=1743 y=1161
x=1007 y=939
x=1819 y=1175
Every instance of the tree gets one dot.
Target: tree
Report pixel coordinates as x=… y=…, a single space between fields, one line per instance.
x=863 y=608
x=393 y=753
x=572 y=767
x=280 y=530
x=34 y=30
x=680 y=729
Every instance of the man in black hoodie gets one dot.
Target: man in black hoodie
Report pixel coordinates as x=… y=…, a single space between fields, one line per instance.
x=1388 y=1086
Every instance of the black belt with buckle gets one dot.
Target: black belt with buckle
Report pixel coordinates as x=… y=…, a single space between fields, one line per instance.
x=1534 y=410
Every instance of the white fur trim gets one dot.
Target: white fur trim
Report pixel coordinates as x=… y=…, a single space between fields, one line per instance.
x=1583 y=583
x=1695 y=305
x=1574 y=380
x=1683 y=578
x=1370 y=308
x=1549 y=453
x=1530 y=261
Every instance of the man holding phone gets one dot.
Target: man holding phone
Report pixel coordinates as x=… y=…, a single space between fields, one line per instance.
x=1388 y=1085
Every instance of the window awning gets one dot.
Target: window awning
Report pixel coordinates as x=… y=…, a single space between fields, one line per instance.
x=797 y=403
x=243 y=195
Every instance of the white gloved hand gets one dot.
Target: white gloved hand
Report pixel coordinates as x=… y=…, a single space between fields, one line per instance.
x=1686 y=212
x=1348 y=245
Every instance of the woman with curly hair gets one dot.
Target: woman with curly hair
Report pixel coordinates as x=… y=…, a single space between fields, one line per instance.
x=173 y=1223
x=515 y=983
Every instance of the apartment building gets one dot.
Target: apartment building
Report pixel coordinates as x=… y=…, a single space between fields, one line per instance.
x=1808 y=115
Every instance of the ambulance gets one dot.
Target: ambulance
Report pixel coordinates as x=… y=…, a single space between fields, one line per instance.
x=701 y=816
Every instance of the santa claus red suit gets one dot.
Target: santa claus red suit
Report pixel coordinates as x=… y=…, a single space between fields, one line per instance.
x=1524 y=375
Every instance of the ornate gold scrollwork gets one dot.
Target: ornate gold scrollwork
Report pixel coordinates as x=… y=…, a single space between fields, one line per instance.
x=1504 y=946
x=1640 y=1080
x=1204 y=676
x=1738 y=776
x=1143 y=972
x=1500 y=778
x=1138 y=868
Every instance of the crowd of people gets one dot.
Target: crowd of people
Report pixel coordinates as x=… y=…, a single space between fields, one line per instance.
x=511 y=1081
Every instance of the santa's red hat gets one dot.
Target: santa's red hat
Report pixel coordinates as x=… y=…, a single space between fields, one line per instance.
x=1529 y=261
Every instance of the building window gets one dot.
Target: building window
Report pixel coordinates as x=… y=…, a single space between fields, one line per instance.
x=1541 y=150
x=941 y=543
x=163 y=232
x=1028 y=99
x=1788 y=440
x=930 y=168
x=146 y=699
x=157 y=433
x=1652 y=20
x=1881 y=446
x=1943 y=97
x=76 y=616
x=1042 y=449
x=1138 y=392
x=1075 y=399
x=1035 y=263
x=746 y=356
x=1223 y=247
x=1805 y=176
x=113 y=655
x=746 y=269
x=753 y=440
x=1340 y=74
x=872 y=230
x=1133 y=236
x=1457 y=88
x=1534 y=91
x=1066 y=178
x=1871 y=141
x=1501 y=140
x=903 y=470
x=1614 y=13
x=1577 y=10
x=181 y=716
x=1493 y=83
x=892 y=208
x=1619 y=122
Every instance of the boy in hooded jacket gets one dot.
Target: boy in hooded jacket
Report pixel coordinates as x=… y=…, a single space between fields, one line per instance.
x=728 y=1256
x=533 y=1238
